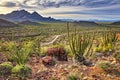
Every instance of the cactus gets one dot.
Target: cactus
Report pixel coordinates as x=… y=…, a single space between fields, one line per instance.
x=109 y=38
x=59 y=53
x=80 y=45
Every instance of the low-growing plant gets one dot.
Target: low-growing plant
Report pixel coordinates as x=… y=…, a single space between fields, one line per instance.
x=104 y=65
x=117 y=56
x=109 y=68
x=80 y=45
x=19 y=52
x=5 y=69
x=72 y=77
x=53 y=78
x=37 y=46
x=108 y=42
x=21 y=72
x=104 y=49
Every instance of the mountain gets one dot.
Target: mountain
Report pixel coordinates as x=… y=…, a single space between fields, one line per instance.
x=116 y=23
x=5 y=23
x=23 y=15
x=85 y=23
x=28 y=23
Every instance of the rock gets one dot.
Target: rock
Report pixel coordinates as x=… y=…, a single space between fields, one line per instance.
x=48 y=61
x=110 y=76
x=85 y=78
x=108 y=53
x=113 y=62
x=87 y=63
x=99 y=54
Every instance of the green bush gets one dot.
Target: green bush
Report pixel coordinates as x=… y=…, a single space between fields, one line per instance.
x=19 y=52
x=104 y=49
x=21 y=71
x=5 y=68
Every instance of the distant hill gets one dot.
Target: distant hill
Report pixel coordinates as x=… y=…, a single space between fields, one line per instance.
x=5 y=23
x=27 y=22
x=116 y=23
x=23 y=15
x=85 y=23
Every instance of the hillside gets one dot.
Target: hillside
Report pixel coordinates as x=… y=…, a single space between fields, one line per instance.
x=85 y=23
x=27 y=22
x=5 y=23
x=116 y=23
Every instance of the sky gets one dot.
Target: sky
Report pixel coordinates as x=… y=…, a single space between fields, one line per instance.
x=66 y=9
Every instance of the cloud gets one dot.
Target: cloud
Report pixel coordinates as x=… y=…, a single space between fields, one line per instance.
x=60 y=3
x=81 y=9
x=8 y=4
x=43 y=4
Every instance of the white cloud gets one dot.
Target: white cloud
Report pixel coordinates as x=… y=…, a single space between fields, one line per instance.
x=81 y=9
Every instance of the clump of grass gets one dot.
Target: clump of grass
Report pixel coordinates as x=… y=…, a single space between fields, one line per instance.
x=21 y=72
x=18 y=52
x=5 y=68
x=72 y=77
x=104 y=65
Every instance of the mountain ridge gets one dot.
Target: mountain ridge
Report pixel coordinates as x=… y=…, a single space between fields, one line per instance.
x=23 y=15
x=116 y=23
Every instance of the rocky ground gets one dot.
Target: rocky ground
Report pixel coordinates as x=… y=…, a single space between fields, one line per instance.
x=62 y=69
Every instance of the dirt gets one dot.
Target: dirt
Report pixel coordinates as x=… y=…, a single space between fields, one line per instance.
x=63 y=68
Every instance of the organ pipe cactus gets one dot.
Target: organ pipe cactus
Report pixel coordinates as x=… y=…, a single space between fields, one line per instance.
x=80 y=45
x=109 y=38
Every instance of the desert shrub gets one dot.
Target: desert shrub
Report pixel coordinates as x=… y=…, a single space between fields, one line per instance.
x=37 y=46
x=18 y=52
x=5 y=68
x=21 y=72
x=106 y=66
x=43 y=51
x=108 y=42
x=72 y=77
x=109 y=68
x=104 y=49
